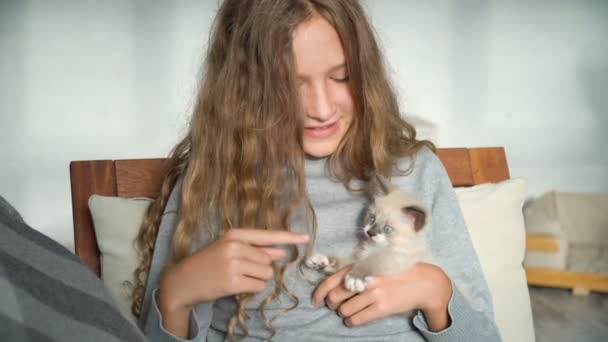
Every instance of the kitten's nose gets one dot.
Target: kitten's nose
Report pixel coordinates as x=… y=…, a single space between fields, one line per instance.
x=371 y=233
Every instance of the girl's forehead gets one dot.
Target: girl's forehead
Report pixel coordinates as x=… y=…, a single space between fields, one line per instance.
x=317 y=48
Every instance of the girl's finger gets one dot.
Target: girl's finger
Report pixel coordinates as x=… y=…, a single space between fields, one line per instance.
x=254 y=270
x=274 y=253
x=337 y=296
x=368 y=314
x=246 y=284
x=258 y=255
x=355 y=304
x=327 y=285
x=260 y=237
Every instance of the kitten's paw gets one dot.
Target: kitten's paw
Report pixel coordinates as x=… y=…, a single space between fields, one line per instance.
x=356 y=284
x=317 y=262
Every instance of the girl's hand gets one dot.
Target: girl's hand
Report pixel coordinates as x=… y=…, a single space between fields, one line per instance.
x=238 y=262
x=424 y=286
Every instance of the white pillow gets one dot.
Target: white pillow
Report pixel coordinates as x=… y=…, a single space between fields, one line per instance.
x=494 y=217
x=117 y=221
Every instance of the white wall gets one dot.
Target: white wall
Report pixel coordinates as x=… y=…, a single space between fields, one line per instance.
x=528 y=75
x=115 y=79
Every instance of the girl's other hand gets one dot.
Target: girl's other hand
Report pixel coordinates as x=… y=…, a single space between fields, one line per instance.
x=239 y=262
x=424 y=286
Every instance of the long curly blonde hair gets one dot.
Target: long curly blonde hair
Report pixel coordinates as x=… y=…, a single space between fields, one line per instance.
x=243 y=151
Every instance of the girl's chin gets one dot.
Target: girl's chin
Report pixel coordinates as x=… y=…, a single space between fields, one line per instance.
x=319 y=150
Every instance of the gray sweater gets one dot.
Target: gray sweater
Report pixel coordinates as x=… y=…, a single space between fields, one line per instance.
x=337 y=212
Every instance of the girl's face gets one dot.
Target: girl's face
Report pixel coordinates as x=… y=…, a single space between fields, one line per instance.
x=323 y=85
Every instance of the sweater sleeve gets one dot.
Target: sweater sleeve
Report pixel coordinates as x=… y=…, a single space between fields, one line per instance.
x=150 y=320
x=470 y=307
x=200 y=320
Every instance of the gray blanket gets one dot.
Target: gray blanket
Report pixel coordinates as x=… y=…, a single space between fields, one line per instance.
x=47 y=294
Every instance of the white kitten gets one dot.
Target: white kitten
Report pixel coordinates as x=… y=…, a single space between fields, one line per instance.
x=395 y=226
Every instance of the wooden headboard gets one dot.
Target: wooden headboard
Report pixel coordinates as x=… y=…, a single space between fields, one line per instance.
x=143 y=177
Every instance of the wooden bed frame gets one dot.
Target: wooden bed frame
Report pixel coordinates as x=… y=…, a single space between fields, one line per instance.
x=142 y=178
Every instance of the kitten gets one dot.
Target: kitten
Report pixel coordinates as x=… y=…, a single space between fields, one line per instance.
x=395 y=226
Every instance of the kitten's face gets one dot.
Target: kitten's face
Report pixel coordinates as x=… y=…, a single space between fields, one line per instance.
x=393 y=217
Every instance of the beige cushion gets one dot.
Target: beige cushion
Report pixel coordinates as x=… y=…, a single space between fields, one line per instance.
x=578 y=222
x=541 y=217
x=583 y=216
x=589 y=258
x=117 y=221
x=493 y=214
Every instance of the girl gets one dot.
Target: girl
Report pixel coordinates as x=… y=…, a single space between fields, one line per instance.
x=294 y=116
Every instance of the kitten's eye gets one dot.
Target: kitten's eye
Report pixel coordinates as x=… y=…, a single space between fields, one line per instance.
x=372 y=219
x=388 y=229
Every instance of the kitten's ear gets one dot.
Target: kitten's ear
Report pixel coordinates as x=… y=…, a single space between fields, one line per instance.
x=417 y=214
